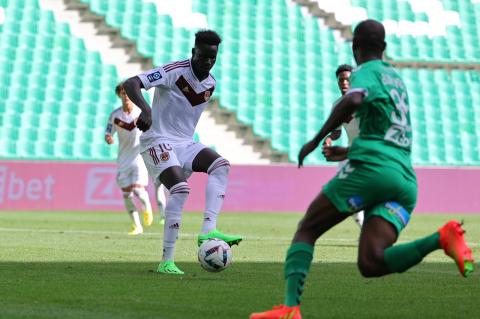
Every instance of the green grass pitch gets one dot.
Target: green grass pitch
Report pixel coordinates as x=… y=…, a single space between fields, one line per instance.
x=83 y=265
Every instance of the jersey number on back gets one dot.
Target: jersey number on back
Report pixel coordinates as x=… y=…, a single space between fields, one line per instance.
x=397 y=133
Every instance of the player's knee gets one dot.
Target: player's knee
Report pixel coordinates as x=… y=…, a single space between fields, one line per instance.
x=370 y=265
x=219 y=167
x=366 y=269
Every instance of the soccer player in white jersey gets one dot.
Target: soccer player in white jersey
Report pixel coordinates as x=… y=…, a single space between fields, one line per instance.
x=132 y=175
x=161 y=194
x=342 y=74
x=182 y=91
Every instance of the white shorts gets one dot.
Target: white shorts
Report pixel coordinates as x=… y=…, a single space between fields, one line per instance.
x=135 y=174
x=164 y=155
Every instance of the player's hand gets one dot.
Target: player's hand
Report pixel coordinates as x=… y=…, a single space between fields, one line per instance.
x=109 y=139
x=334 y=153
x=306 y=149
x=144 y=121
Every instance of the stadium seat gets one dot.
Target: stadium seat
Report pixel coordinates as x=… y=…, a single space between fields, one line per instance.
x=275 y=71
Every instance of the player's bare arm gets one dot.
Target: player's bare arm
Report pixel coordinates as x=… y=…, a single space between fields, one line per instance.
x=347 y=105
x=133 y=88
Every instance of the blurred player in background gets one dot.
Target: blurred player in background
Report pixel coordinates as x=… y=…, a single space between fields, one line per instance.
x=182 y=91
x=351 y=128
x=378 y=178
x=132 y=176
x=161 y=194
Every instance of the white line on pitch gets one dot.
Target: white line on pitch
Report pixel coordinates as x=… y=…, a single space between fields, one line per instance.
x=181 y=235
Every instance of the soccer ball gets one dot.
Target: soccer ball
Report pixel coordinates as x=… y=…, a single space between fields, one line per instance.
x=214 y=255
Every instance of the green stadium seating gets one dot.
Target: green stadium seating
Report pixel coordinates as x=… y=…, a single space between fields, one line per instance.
x=34 y=118
x=275 y=71
x=451 y=47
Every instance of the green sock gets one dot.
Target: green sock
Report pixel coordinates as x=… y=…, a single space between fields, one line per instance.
x=403 y=256
x=298 y=261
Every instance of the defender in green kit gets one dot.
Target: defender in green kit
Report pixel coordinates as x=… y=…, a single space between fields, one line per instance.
x=378 y=178
x=379 y=168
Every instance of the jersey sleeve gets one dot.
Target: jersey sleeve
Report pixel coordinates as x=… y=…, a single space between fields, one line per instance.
x=110 y=129
x=364 y=80
x=156 y=77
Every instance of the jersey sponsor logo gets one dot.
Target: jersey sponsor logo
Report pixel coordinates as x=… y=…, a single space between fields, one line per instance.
x=127 y=126
x=165 y=156
x=155 y=76
x=190 y=94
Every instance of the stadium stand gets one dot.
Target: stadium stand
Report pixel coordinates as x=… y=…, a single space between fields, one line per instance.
x=275 y=72
x=55 y=95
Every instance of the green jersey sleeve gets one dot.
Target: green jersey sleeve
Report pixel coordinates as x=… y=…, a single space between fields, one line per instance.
x=364 y=80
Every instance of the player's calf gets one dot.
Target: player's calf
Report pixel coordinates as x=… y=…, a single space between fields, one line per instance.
x=142 y=195
x=178 y=196
x=137 y=228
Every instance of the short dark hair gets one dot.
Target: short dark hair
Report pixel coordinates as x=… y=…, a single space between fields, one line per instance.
x=119 y=88
x=369 y=35
x=343 y=68
x=208 y=37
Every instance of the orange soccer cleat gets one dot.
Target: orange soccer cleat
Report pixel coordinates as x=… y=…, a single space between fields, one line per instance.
x=279 y=312
x=454 y=245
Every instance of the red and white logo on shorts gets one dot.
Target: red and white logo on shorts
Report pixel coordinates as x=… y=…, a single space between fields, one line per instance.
x=165 y=156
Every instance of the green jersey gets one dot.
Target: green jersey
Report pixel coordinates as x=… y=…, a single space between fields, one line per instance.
x=385 y=136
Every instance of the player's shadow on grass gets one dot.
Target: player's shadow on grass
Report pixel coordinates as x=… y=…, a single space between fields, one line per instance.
x=134 y=290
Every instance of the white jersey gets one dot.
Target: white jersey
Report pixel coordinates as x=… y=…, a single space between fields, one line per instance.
x=352 y=129
x=178 y=101
x=128 y=136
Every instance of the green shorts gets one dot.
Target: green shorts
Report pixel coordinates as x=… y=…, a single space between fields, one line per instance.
x=377 y=190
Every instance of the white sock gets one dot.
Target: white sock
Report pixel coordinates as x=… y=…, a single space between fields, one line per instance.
x=142 y=195
x=131 y=208
x=215 y=193
x=162 y=194
x=358 y=217
x=173 y=218
x=136 y=219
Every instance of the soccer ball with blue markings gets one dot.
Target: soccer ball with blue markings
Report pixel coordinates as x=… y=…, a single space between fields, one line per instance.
x=214 y=255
